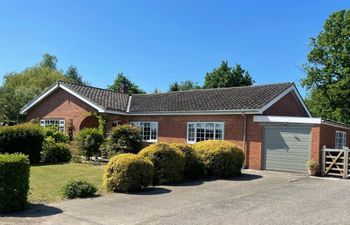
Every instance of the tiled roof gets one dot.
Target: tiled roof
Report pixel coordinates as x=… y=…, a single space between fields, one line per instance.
x=248 y=98
x=105 y=98
x=235 y=98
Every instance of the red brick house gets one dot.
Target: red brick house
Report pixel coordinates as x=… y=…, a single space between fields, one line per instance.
x=269 y=122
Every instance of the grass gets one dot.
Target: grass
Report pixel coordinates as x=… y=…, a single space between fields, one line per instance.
x=46 y=181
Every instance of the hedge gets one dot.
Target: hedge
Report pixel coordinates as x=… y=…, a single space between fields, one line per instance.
x=168 y=162
x=55 y=152
x=89 y=141
x=26 y=138
x=194 y=167
x=128 y=173
x=222 y=159
x=14 y=181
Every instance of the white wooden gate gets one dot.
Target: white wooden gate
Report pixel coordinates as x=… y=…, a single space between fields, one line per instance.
x=335 y=162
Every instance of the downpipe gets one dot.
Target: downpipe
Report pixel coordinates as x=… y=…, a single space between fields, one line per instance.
x=244 y=140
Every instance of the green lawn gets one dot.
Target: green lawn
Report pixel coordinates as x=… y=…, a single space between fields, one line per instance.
x=46 y=180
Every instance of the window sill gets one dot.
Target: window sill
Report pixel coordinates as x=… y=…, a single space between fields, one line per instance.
x=150 y=141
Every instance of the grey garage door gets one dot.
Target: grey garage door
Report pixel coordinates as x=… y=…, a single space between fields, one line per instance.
x=286 y=148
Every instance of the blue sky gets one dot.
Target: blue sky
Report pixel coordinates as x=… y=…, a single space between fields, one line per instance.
x=156 y=42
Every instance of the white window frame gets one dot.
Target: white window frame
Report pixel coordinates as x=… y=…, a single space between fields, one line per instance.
x=343 y=136
x=204 y=122
x=52 y=122
x=138 y=124
x=117 y=122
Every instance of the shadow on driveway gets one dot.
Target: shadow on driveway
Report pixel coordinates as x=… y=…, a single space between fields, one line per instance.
x=34 y=210
x=152 y=191
x=246 y=177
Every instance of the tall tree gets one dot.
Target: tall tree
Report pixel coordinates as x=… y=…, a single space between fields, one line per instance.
x=328 y=69
x=184 y=86
x=48 y=61
x=123 y=85
x=226 y=76
x=19 y=88
x=73 y=76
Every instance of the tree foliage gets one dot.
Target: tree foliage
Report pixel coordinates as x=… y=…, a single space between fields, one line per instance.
x=184 y=86
x=21 y=87
x=226 y=76
x=73 y=76
x=328 y=69
x=124 y=85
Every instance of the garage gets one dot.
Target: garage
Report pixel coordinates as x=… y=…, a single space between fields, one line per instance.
x=286 y=148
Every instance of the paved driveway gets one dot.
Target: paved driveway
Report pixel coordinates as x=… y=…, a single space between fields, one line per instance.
x=257 y=197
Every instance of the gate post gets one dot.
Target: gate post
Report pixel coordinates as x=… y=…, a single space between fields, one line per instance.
x=346 y=163
x=323 y=163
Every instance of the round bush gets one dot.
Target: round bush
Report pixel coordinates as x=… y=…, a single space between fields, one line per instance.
x=128 y=173
x=89 y=141
x=55 y=134
x=78 y=189
x=55 y=152
x=126 y=138
x=168 y=162
x=222 y=159
x=194 y=167
x=14 y=181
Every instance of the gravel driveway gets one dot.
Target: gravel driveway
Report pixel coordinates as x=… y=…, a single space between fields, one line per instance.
x=257 y=197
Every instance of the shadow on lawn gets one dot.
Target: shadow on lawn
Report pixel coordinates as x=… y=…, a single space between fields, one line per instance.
x=34 y=210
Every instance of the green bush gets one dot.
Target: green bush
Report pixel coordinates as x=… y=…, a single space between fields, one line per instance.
x=222 y=159
x=89 y=141
x=194 y=167
x=78 y=189
x=26 y=138
x=122 y=139
x=55 y=152
x=55 y=134
x=168 y=162
x=14 y=181
x=128 y=173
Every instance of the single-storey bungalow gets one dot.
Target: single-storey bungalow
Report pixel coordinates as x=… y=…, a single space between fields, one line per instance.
x=269 y=122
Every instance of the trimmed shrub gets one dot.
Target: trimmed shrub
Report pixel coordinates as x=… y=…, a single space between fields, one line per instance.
x=194 y=167
x=168 y=162
x=89 y=141
x=122 y=139
x=55 y=134
x=14 y=181
x=222 y=159
x=26 y=138
x=128 y=173
x=78 y=189
x=55 y=152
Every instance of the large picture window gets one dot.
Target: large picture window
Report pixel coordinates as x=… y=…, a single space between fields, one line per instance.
x=149 y=130
x=201 y=131
x=340 y=139
x=53 y=122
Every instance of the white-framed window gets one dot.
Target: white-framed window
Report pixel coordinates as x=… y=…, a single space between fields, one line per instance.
x=149 y=130
x=340 y=139
x=59 y=123
x=115 y=123
x=201 y=131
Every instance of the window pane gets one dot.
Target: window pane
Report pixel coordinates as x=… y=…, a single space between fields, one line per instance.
x=209 y=131
x=191 y=132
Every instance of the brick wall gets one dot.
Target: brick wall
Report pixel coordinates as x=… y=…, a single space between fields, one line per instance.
x=289 y=105
x=174 y=129
x=61 y=105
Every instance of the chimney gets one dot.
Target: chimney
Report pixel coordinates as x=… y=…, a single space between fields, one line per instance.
x=123 y=88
